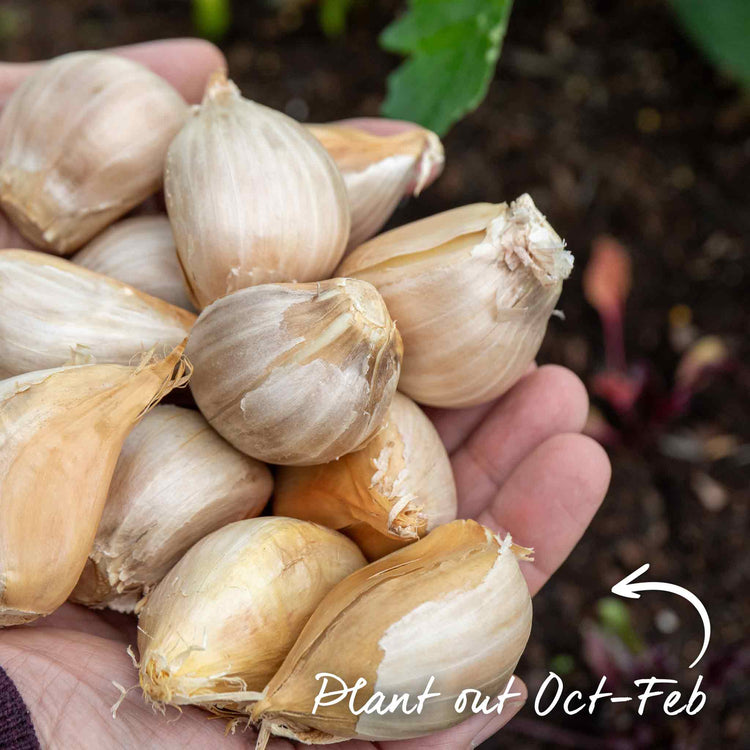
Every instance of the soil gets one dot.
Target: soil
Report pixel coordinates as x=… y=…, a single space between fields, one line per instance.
x=611 y=119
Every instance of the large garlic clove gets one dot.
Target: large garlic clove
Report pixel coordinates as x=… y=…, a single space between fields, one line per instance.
x=140 y=252
x=175 y=481
x=391 y=492
x=61 y=432
x=379 y=170
x=253 y=198
x=223 y=619
x=55 y=313
x=454 y=605
x=82 y=141
x=472 y=290
x=296 y=373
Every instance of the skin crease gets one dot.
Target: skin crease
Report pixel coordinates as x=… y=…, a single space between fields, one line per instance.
x=520 y=462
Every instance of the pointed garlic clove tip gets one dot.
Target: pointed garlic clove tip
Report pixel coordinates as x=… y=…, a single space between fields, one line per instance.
x=73 y=422
x=175 y=481
x=417 y=613
x=296 y=374
x=391 y=492
x=106 y=124
x=253 y=198
x=57 y=312
x=472 y=290
x=379 y=170
x=140 y=252
x=216 y=628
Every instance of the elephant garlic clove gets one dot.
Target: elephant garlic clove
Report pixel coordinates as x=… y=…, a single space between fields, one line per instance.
x=61 y=432
x=472 y=290
x=453 y=606
x=253 y=198
x=175 y=481
x=222 y=620
x=82 y=141
x=54 y=311
x=140 y=252
x=379 y=170
x=391 y=492
x=296 y=373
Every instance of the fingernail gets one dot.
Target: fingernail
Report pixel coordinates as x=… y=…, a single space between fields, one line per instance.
x=496 y=723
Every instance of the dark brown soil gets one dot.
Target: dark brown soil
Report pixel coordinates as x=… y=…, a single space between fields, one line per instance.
x=612 y=120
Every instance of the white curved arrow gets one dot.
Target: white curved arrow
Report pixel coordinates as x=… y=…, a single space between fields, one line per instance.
x=630 y=590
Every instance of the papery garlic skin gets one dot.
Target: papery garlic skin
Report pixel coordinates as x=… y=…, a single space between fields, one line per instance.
x=472 y=290
x=82 y=141
x=296 y=374
x=140 y=252
x=454 y=605
x=61 y=432
x=396 y=489
x=176 y=480
x=223 y=619
x=379 y=170
x=56 y=313
x=253 y=198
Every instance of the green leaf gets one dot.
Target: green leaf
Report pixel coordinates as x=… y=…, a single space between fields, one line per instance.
x=453 y=46
x=212 y=18
x=721 y=28
x=332 y=15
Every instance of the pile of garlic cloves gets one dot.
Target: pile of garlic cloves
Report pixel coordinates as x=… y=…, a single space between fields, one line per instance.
x=308 y=342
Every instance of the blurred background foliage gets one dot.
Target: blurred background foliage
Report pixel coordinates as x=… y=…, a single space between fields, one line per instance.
x=628 y=123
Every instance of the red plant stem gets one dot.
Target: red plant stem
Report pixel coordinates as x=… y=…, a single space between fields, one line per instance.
x=614 y=339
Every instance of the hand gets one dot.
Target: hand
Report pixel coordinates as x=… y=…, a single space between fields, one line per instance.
x=520 y=466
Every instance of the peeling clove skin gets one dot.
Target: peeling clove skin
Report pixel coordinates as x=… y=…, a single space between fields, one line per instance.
x=140 y=252
x=82 y=141
x=222 y=620
x=417 y=613
x=61 y=432
x=57 y=313
x=393 y=491
x=253 y=198
x=472 y=290
x=175 y=481
x=296 y=374
x=379 y=170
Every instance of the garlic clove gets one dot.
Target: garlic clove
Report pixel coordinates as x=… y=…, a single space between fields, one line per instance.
x=82 y=141
x=60 y=434
x=140 y=252
x=175 y=481
x=296 y=373
x=472 y=290
x=393 y=491
x=379 y=170
x=253 y=198
x=54 y=312
x=454 y=605
x=223 y=619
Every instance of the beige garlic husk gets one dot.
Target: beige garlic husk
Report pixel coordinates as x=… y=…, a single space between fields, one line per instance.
x=176 y=480
x=393 y=491
x=472 y=290
x=223 y=619
x=57 y=313
x=61 y=432
x=379 y=170
x=140 y=252
x=296 y=374
x=453 y=606
x=252 y=196
x=82 y=141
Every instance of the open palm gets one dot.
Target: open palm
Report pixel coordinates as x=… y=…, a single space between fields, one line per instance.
x=520 y=466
